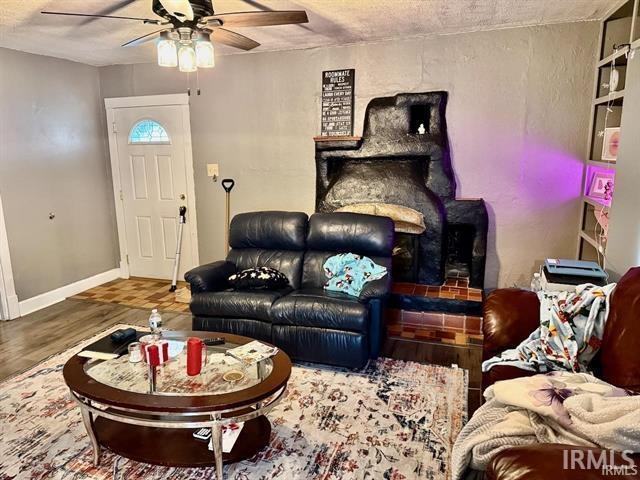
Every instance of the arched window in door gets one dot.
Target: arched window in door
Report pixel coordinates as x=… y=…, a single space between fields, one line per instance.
x=148 y=132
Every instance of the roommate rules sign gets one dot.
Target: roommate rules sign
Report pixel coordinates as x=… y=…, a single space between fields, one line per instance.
x=337 y=103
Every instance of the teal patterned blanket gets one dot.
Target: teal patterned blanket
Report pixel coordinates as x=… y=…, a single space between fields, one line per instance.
x=348 y=273
x=569 y=335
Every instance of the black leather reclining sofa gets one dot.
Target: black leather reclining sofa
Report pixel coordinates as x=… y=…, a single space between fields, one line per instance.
x=307 y=322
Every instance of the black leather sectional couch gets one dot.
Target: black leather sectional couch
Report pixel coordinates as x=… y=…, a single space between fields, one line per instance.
x=307 y=322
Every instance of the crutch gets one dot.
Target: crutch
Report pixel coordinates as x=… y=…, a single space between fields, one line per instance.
x=227 y=184
x=183 y=219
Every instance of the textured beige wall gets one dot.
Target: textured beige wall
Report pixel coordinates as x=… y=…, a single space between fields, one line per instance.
x=517 y=116
x=53 y=158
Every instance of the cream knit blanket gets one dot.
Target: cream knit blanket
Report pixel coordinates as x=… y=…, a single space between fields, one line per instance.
x=559 y=407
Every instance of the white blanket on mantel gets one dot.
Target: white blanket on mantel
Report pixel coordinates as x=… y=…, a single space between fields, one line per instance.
x=559 y=407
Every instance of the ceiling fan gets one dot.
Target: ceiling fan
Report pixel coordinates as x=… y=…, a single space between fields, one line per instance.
x=190 y=26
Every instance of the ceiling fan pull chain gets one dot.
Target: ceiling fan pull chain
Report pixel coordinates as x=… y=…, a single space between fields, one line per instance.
x=188 y=84
x=197 y=83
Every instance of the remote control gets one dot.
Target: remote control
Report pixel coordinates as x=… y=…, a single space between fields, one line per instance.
x=210 y=342
x=123 y=335
x=203 y=434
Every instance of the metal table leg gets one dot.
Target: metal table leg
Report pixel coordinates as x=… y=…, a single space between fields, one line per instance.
x=87 y=419
x=216 y=441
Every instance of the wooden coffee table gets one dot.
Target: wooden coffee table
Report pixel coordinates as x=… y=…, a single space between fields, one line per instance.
x=121 y=414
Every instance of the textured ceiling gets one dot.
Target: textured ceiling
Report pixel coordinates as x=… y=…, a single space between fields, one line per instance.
x=331 y=22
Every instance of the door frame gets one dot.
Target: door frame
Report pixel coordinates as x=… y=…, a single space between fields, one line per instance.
x=9 y=305
x=179 y=99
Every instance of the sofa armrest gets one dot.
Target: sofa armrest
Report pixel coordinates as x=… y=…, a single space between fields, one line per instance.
x=376 y=289
x=545 y=461
x=210 y=277
x=510 y=315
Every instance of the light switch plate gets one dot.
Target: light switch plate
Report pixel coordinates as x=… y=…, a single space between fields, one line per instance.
x=213 y=170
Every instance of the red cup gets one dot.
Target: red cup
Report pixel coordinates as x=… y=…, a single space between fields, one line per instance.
x=196 y=355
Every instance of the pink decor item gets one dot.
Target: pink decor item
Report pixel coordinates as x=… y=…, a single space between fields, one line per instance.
x=602 y=185
x=611 y=144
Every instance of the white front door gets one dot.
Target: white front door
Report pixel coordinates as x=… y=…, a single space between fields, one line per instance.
x=152 y=164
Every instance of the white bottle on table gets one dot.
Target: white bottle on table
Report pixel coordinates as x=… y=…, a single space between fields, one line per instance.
x=155 y=322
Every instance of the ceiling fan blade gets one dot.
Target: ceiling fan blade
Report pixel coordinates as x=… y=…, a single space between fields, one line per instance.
x=233 y=39
x=144 y=38
x=259 y=19
x=109 y=10
x=117 y=17
x=266 y=8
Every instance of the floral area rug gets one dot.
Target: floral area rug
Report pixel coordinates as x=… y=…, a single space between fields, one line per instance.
x=392 y=420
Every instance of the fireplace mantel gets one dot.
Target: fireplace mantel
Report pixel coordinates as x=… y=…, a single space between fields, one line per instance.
x=338 y=142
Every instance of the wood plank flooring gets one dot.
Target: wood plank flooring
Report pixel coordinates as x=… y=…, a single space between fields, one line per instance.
x=32 y=338
x=27 y=341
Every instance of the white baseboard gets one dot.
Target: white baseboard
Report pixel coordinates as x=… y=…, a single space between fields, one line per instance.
x=54 y=296
x=13 y=307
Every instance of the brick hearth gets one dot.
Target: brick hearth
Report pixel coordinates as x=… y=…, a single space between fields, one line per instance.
x=436 y=326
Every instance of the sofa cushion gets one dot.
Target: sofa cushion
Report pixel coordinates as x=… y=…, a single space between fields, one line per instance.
x=322 y=345
x=321 y=309
x=510 y=315
x=552 y=460
x=231 y=304
x=619 y=361
x=351 y=232
x=247 y=327
x=269 y=230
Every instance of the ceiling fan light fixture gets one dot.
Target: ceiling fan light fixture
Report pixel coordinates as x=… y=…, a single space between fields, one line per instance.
x=187 y=59
x=205 y=54
x=167 y=53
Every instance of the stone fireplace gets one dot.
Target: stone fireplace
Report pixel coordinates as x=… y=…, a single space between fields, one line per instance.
x=403 y=159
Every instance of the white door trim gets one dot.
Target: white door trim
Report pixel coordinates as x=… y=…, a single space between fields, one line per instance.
x=181 y=99
x=9 y=306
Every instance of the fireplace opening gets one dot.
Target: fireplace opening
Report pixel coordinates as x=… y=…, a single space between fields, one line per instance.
x=459 y=250
x=405 y=257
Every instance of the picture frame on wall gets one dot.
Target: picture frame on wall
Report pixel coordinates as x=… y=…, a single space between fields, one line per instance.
x=338 y=87
x=601 y=185
x=610 y=144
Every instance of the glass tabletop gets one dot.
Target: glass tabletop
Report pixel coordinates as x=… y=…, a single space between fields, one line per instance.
x=221 y=373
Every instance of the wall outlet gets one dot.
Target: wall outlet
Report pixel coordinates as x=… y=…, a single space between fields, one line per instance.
x=213 y=170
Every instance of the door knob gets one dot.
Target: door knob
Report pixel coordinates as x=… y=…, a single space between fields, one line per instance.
x=182 y=196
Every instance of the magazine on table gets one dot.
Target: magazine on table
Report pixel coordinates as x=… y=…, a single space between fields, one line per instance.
x=252 y=352
x=230 y=434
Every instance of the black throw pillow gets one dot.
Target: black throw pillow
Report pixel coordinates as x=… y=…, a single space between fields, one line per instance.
x=264 y=278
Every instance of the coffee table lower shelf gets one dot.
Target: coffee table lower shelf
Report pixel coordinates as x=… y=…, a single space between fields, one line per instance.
x=176 y=447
